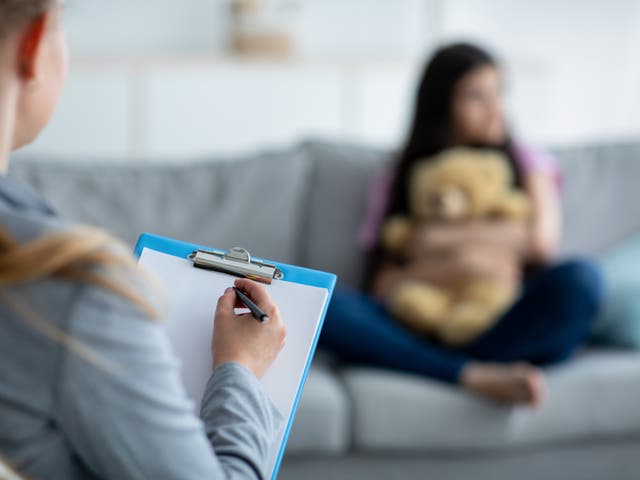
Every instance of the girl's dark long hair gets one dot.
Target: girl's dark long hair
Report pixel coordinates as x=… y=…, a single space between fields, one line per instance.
x=431 y=127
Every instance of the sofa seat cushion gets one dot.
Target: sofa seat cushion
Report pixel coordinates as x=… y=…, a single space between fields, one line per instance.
x=323 y=420
x=595 y=396
x=618 y=323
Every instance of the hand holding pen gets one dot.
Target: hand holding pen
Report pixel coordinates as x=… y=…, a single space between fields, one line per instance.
x=240 y=338
x=256 y=311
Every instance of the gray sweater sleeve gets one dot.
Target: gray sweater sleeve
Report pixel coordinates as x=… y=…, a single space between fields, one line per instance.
x=240 y=421
x=125 y=413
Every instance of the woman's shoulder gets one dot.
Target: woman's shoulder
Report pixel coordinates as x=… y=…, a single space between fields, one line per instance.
x=24 y=225
x=98 y=302
x=108 y=283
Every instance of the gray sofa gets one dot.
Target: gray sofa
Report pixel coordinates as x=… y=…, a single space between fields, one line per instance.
x=356 y=422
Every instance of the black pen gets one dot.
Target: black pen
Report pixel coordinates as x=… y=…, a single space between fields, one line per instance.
x=256 y=311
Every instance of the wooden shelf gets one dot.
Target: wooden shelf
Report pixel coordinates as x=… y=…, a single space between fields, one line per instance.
x=240 y=61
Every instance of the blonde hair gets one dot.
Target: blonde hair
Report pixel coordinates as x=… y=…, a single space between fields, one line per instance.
x=81 y=254
x=15 y=12
x=6 y=473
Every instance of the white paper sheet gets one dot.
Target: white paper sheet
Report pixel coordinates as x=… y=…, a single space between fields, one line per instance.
x=192 y=295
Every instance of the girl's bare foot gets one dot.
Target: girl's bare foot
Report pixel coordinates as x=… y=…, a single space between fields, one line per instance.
x=518 y=383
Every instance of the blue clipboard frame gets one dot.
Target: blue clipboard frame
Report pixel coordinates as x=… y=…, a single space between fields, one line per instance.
x=291 y=273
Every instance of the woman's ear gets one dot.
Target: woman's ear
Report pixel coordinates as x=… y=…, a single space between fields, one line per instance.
x=30 y=43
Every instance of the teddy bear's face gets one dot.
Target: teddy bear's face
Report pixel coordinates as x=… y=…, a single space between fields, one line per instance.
x=448 y=203
x=459 y=184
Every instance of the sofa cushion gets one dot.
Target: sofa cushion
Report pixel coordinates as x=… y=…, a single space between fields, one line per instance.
x=594 y=397
x=337 y=200
x=322 y=423
x=601 y=196
x=253 y=202
x=618 y=323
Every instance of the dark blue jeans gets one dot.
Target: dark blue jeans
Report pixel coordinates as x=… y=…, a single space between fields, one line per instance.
x=551 y=319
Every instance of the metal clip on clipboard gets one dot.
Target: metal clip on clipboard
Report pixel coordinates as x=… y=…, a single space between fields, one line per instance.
x=236 y=261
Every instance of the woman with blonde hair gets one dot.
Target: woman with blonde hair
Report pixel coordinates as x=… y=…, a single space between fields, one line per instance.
x=89 y=387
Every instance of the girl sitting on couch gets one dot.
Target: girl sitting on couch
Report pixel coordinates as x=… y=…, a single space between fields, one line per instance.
x=459 y=103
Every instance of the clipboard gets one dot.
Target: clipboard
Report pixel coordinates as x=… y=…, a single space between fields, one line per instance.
x=167 y=259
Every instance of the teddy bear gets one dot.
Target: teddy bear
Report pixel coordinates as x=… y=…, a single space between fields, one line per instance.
x=457 y=185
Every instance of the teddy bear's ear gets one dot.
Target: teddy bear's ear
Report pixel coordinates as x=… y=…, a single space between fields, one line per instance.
x=423 y=170
x=422 y=178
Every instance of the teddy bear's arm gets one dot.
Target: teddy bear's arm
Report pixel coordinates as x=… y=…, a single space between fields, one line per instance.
x=396 y=235
x=514 y=205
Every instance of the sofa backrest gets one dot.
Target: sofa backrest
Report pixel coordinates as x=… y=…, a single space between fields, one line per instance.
x=341 y=177
x=601 y=196
x=255 y=202
x=305 y=204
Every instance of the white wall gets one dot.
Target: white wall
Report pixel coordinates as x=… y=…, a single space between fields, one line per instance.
x=138 y=28
x=353 y=28
x=151 y=78
x=575 y=64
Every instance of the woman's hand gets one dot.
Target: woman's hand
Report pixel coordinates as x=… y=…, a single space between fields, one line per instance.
x=242 y=339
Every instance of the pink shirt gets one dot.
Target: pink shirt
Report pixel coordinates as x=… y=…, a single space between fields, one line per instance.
x=530 y=161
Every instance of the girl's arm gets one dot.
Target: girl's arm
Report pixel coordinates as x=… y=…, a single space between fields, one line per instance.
x=510 y=235
x=546 y=225
x=446 y=269
x=536 y=241
x=441 y=254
